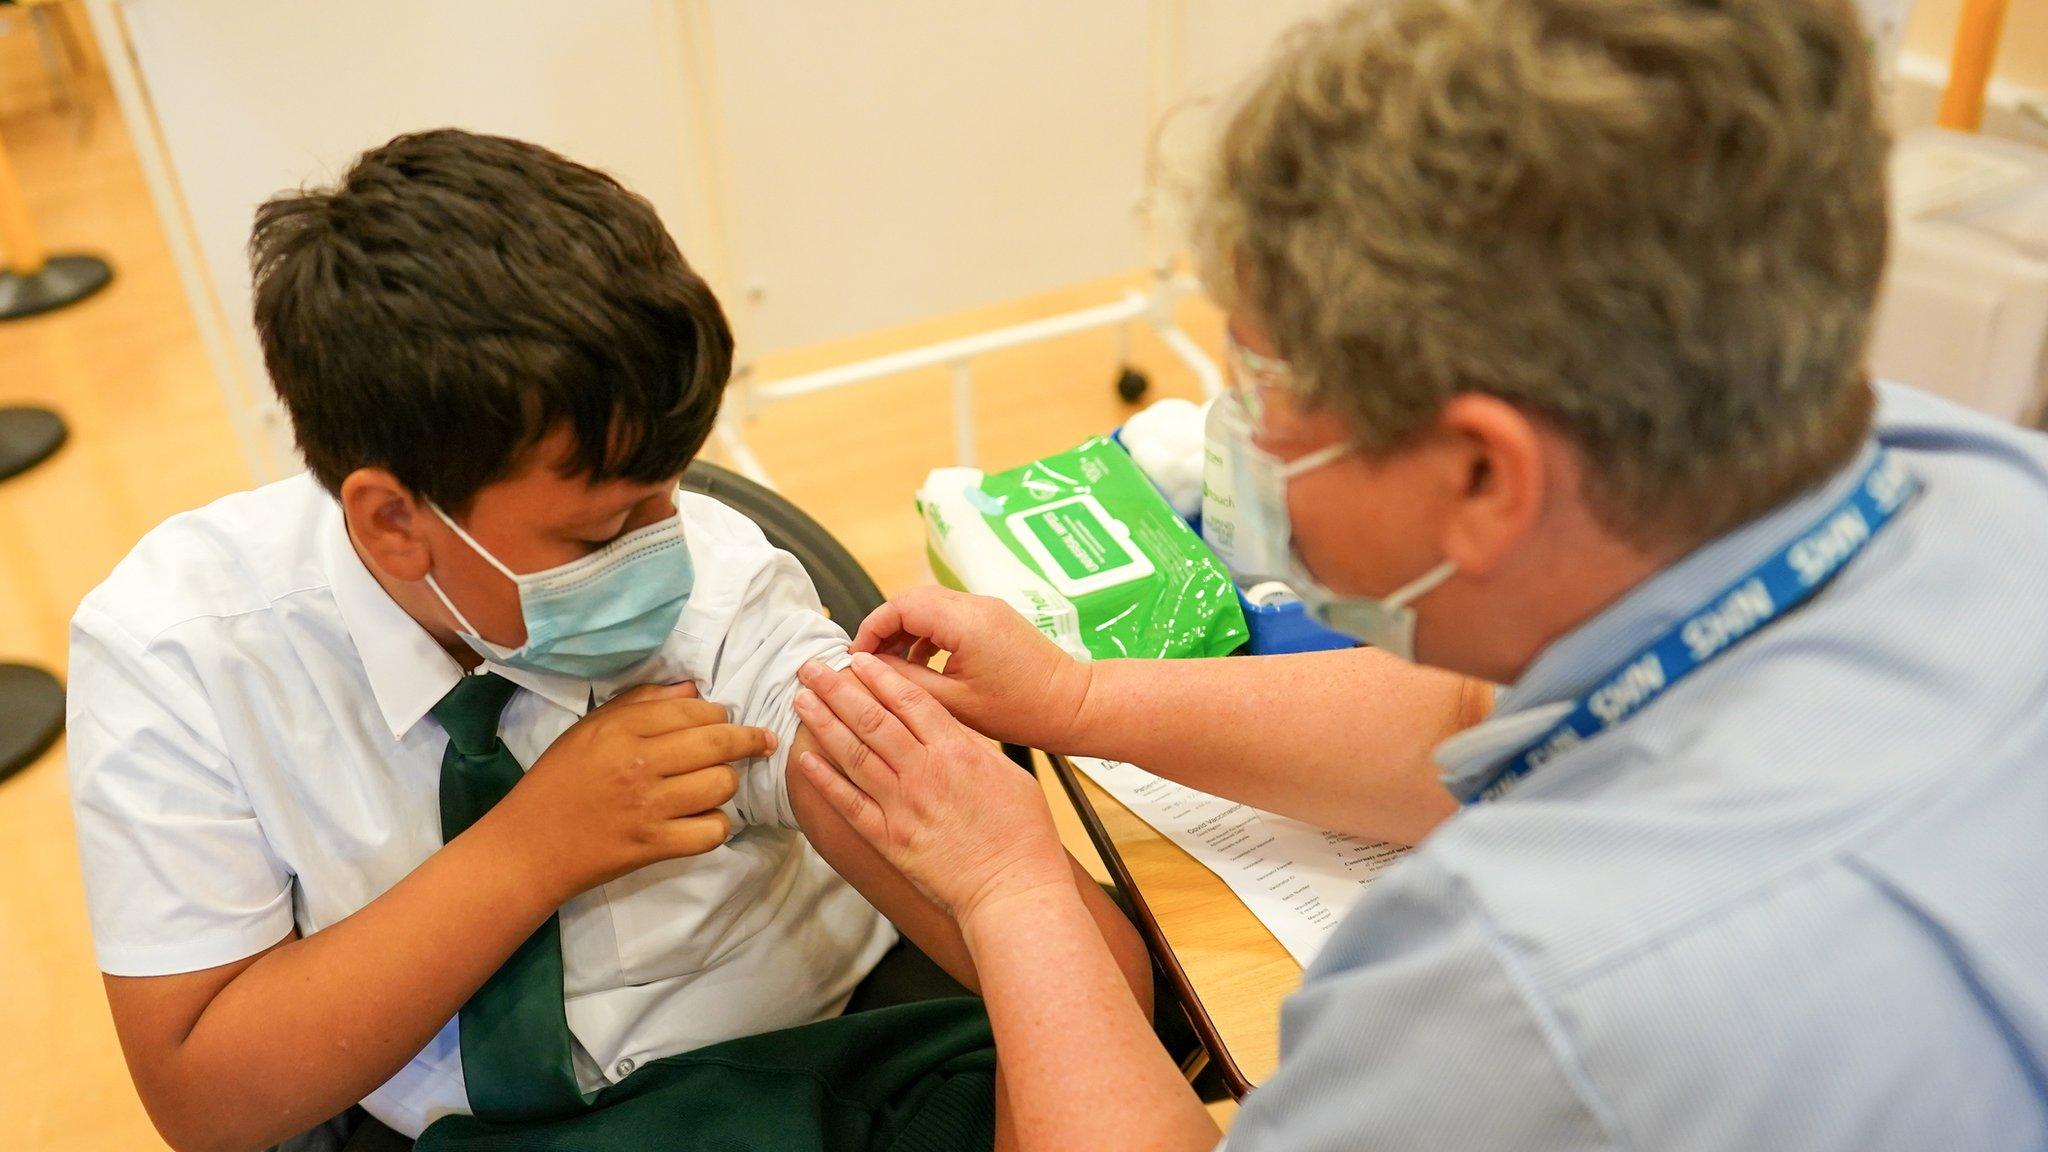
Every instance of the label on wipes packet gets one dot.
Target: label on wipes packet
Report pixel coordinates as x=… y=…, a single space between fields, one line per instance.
x=1084 y=545
x=1079 y=546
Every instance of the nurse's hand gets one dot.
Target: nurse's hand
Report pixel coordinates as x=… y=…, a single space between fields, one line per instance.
x=1003 y=677
x=954 y=815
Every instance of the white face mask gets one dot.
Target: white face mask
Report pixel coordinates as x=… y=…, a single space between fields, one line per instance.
x=595 y=616
x=1386 y=623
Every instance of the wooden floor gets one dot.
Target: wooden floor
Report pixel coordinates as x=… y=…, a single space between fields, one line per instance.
x=150 y=437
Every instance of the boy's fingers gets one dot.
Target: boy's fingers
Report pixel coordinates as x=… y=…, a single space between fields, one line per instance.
x=695 y=835
x=855 y=806
x=857 y=708
x=645 y=692
x=925 y=717
x=662 y=715
x=690 y=793
x=700 y=747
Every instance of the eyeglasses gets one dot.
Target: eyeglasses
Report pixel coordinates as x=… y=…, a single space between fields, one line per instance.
x=1250 y=372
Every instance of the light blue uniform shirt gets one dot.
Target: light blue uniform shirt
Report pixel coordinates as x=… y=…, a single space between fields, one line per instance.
x=1800 y=901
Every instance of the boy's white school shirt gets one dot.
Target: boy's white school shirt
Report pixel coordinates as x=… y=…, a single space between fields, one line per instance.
x=251 y=751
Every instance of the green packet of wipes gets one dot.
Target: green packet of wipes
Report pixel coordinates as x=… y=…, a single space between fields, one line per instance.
x=1085 y=548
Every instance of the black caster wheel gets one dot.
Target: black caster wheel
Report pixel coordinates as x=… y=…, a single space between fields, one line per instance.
x=31 y=715
x=28 y=436
x=1131 y=385
x=63 y=281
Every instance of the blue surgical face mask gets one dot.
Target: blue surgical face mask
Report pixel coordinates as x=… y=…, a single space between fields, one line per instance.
x=595 y=616
x=1385 y=622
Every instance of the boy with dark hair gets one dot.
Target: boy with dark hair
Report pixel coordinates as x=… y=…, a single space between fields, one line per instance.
x=451 y=777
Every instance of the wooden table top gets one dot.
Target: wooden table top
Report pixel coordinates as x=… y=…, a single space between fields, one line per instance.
x=1228 y=968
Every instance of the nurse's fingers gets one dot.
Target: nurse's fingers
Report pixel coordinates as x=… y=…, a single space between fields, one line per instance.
x=945 y=690
x=932 y=613
x=853 y=805
x=861 y=764
x=882 y=631
x=925 y=717
x=858 y=709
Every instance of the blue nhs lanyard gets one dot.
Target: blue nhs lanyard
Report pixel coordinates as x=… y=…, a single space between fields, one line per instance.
x=1739 y=611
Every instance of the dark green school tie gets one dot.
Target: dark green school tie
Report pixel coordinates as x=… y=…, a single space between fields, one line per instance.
x=515 y=1034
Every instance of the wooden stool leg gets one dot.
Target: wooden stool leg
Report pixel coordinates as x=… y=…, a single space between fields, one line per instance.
x=31 y=280
x=1969 y=69
x=20 y=250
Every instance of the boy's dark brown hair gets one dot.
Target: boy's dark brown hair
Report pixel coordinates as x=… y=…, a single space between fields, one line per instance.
x=456 y=297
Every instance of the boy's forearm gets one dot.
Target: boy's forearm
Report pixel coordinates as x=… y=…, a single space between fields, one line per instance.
x=1341 y=739
x=315 y=1025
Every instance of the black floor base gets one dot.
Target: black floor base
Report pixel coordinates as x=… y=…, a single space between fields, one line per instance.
x=31 y=715
x=64 y=280
x=27 y=438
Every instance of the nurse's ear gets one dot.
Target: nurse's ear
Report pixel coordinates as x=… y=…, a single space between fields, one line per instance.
x=388 y=523
x=1500 y=466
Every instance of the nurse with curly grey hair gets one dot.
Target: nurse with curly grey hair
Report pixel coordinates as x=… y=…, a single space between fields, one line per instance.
x=1552 y=317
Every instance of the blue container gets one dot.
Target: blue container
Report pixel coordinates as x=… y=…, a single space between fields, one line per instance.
x=1276 y=629
x=1280 y=628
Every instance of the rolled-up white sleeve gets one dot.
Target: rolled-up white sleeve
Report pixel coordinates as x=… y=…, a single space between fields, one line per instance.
x=178 y=873
x=777 y=624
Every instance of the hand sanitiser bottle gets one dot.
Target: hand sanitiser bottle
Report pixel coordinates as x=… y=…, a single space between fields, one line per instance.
x=1228 y=423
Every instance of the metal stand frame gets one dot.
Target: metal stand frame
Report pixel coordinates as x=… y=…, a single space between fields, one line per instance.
x=1154 y=308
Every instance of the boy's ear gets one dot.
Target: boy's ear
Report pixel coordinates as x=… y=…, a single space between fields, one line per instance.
x=388 y=523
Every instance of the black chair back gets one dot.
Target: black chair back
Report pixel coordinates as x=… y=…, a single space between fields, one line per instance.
x=846 y=589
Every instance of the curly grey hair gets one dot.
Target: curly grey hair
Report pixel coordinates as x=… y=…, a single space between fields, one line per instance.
x=1657 y=225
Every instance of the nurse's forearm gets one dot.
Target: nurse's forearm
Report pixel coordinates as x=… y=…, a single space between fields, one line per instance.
x=283 y=1042
x=1080 y=1065
x=929 y=927
x=1340 y=739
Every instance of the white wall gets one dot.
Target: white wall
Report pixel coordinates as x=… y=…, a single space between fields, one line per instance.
x=836 y=168
x=254 y=98
x=891 y=161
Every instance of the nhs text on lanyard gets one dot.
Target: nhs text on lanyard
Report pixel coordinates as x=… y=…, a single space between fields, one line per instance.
x=1770 y=590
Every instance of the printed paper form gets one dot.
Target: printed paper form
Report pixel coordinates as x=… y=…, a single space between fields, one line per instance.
x=1299 y=880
